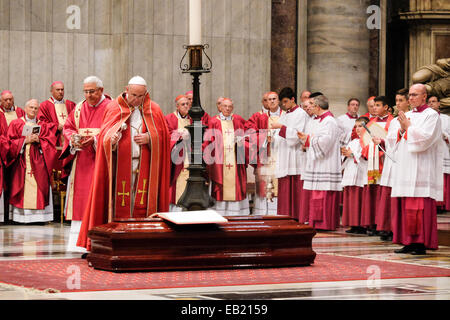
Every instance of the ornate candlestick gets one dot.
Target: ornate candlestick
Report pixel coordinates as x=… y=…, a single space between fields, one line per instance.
x=196 y=195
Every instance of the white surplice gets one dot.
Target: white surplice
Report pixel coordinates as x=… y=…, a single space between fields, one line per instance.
x=418 y=171
x=346 y=124
x=289 y=148
x=323 y=163
x=355 y=173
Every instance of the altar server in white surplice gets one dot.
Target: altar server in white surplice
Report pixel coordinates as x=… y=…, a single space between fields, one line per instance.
x=417 y=174
x=323 y=167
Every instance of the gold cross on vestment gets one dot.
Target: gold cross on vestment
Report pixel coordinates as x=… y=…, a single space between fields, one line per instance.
x=143 y=191
x=123 y=194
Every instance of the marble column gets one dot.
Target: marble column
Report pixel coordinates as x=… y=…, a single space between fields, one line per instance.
x=338 y=51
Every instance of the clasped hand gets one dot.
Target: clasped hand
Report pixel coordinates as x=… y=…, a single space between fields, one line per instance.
x=32 y=138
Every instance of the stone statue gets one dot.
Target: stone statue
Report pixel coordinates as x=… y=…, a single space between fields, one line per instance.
x=436 y=78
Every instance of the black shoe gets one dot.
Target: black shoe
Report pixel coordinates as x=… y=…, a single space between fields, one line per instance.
x=406 y=249
x=372 y=232
x=84 y=256
x=419 y=249
x=361 y=230
x=351 y=230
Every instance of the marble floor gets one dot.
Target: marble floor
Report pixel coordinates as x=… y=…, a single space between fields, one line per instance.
x=20 y=242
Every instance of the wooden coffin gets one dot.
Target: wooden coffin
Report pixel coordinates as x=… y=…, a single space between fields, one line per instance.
x=247 y=241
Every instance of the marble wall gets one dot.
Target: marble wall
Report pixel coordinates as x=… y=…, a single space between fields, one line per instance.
x=118 y=39
x=338 y=45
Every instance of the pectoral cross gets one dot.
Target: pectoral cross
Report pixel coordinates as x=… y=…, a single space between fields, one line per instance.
x=123 y=194
x=143 y=191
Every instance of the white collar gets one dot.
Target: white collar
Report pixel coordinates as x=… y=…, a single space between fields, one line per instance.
x=222 y=117
x=30 y=120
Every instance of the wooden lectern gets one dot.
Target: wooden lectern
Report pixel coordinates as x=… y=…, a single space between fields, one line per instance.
x=245 y=241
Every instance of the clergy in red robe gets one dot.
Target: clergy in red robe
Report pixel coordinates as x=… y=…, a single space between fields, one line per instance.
x=132 y=166
x=418 y=174
x=179 y=144
x=375 y=161
x=4 y=147
x=7 y=107
x=225 y=156
x=56 y=109
x=80 y=133
x=31 y=158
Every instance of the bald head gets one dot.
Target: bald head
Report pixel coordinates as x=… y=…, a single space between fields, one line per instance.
x=417 y=95
x=7 y=100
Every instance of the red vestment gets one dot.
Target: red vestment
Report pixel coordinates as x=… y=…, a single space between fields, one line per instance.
x=178 y=150
x=81 y=165
x=4 y=147
x=214 y=157
x=19 y=113
x=42 y=158
x=108 y=200
x=47 y=113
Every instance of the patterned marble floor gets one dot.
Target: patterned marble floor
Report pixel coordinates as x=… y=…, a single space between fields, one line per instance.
x=19 y=242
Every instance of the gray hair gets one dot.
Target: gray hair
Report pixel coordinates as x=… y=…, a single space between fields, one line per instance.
x=28 y=103
x=322 y=102
x=94 y=79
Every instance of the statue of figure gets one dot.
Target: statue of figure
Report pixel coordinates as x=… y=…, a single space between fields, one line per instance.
x=436 y=78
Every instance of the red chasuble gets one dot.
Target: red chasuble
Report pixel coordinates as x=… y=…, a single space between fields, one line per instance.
x=35 y=163
x=4 y=147
x=10 y=116
x=85 y=120
x=214 y=155
x=175 y=139
x=49 y=112
x=109 y=199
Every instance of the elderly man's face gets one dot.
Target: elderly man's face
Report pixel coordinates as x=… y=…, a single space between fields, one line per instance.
x=227 y=108
x=305 y=96
x=7 y=101
x=92 y=94
x=370 y=107
x=32 y=109
x=417 y=96
x=219 y=103
x=190 y=98
x=309 y=105
x=58 y=91
x=183 y=106
x=265 y=102
x=434 y=103
x=136 y=94
x=273 y=102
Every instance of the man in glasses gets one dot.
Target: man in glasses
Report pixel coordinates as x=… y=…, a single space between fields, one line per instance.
x=132 y=168
x=80 y=136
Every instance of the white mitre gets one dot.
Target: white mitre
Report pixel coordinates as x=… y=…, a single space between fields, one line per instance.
x=138 y=81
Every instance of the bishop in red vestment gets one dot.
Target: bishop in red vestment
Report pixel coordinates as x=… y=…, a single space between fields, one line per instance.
x=226 y=158
x=132 y=165
x=83 y=123
x=179 y=144
x=7 y=107
x=31 y=158
x=4 y=147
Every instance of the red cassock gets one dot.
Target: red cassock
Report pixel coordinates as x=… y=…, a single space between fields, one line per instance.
x=4 y=147
x=175 y=140
x=214 y=157
x=153 y=178
x=89 y=117
x=370 y=195
x=42 y=159
x=47 y=113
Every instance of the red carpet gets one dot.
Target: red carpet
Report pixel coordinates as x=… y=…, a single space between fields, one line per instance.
x=57 y=274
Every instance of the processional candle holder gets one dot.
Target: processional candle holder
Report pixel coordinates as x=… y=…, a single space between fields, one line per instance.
x=196 y=195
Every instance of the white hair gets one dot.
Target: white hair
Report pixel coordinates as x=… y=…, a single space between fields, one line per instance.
x=28 y=103
x=94 y=79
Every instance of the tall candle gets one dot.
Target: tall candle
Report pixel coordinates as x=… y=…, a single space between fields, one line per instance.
x=195 y=22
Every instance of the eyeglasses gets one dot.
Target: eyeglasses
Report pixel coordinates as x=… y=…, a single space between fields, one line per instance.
x=92 y=91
